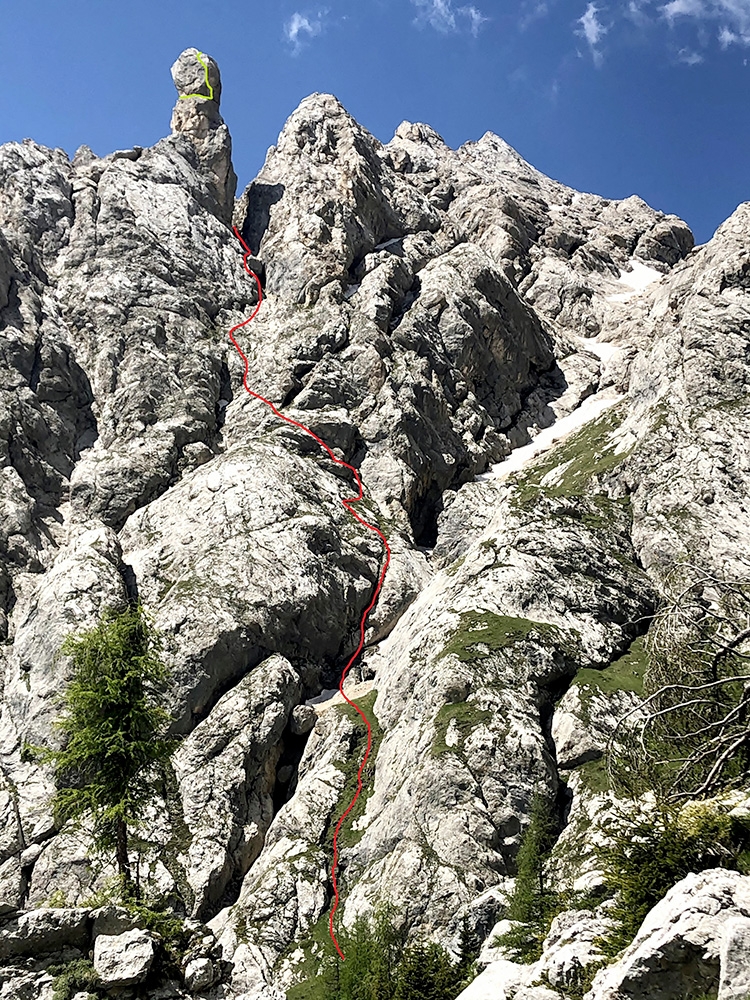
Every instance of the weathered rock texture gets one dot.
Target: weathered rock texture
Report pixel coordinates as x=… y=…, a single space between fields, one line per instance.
x=427 y=312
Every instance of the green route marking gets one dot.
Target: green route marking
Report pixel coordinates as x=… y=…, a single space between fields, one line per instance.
x=184 y=97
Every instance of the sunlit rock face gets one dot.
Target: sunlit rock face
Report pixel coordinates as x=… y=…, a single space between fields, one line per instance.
x=196 y=115
x=429 y=313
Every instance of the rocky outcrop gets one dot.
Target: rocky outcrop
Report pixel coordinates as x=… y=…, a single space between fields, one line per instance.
x=429 y=313
x=196 y=115
x=678 y=950
x=123 y=959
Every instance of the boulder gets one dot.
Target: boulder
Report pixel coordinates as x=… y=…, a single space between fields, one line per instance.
x=112 y=920
x=303 y=719
x=498 y=980
x=734 y=960
x=199 y=974
x=679 y=948
x=123 y=959
x=13 y=886
x=45 y=930
x=570 y=946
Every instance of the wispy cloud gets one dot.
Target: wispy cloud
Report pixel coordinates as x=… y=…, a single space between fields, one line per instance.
x=707 y=21
x=531 y=12
x=476 y=18
x=447 y=19
x=593 y=31
x=437 y=13
x=300 y=28
x=636 y=12
x=683 y=8
x=733 y=17
x=689 y=57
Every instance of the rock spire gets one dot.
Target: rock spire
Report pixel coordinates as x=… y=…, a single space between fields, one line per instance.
x=196 y=115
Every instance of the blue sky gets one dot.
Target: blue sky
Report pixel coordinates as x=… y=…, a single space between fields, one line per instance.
x=645 y=97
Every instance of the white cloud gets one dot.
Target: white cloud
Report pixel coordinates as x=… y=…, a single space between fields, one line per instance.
x=437 y=13
x=535 y=12
x=300 y=25
x=684 y=8
x=636 y=12
x=689 y=57
x=734 y=16
x=476 y=18
x=726 y=37
x=441 y=15
x=593 y=31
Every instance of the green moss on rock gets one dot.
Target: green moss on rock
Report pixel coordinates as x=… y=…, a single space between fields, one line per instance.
x=624 y=674
x=594 y=777
x=465 y=716
x=581 y=460
x=481 y=633
x=348 y=837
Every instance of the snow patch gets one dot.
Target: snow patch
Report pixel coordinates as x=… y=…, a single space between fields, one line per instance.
x=332 y=696
x=388 y=243
x=351 y=290
x=324 y=695
x=518 y=459
x=639 y=277
x=452 y=735
x=601 y=348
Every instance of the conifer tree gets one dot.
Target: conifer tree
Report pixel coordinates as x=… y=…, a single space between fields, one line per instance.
x=114 y=730
x=531 y=893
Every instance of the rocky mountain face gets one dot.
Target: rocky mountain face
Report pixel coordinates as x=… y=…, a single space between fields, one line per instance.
x=546 y=395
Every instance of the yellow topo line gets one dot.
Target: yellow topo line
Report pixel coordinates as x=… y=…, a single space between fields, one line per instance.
x=184 y=97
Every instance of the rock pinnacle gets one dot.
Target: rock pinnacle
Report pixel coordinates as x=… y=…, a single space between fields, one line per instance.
x=196 y=115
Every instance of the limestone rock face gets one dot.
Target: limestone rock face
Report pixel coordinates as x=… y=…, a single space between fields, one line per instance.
x=571 y=946
x=679 y=946
x=688 y=472
x=43 y=931
x=734 y=959
x=226 y=772
x=545 y=395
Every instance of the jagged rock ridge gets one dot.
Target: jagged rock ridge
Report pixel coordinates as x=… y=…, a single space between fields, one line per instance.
x=427 y=312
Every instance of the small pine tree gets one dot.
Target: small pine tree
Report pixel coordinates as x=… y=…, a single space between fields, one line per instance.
x=532 y=902
x=389 y=943
x=379 y=966
x=649 y=852
x=468 y=953
x=427 y=973
x=115 y=732
x=355 y=974
x=530 y=899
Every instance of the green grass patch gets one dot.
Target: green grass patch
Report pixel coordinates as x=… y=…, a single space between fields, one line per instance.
x=583 y=459
x=75 y=977
x=624 y=674
x=587 y=453
x=347 y=836
x=316 y=948
x=455 y=566
x=466 y=716
x=594 y=777
x=481 y=633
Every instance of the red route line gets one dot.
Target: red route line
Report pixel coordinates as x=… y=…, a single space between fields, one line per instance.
x=347 y=503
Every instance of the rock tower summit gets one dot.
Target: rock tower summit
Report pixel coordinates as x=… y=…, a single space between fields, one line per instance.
x=196 y=115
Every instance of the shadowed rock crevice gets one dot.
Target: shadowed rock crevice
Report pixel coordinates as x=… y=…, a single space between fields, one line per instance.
x=253 y=212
